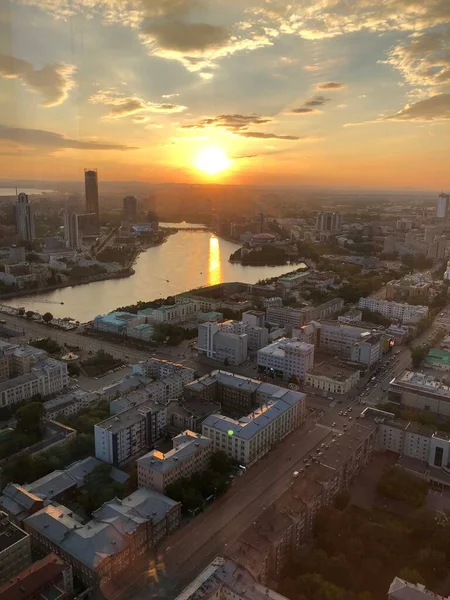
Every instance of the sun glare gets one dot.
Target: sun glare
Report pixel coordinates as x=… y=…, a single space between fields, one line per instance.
x=212 y=161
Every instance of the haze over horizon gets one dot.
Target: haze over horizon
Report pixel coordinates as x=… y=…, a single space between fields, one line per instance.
x=326 y=94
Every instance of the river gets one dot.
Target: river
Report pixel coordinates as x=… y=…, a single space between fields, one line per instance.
x=188 y=259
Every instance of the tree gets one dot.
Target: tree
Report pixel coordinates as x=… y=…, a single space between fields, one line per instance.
x=221 y=463
x=29 y=314
x=411 y=575
x=47 y=317
x=29 y=418
x=226 y=362
x=21 y=312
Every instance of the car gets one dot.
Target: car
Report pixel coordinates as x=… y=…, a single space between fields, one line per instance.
x=333 y=424
x=349 y=409
x=350 y=418
x=344 y=414
x=340 y=413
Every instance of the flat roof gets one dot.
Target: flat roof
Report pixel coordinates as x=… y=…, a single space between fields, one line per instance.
x=187 y=444
x=128 y=417
x=332 y=371
x=422 y=382
x=10 y=534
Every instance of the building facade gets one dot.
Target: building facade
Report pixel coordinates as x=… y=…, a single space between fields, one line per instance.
x=91 y=191
x=129 y=434
x=25 y=222
x=221 y=341
x=15 y=549
x=333 y=379
x=398 y=311
x=249 y=438
x=286 y=358
x=71 y=233
x=191 y=454
x=420 y=392
x=129 y=211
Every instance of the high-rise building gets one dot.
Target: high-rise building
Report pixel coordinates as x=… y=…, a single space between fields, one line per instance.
x=25 y=224
x=437 y=248
x=327 y=221
x=443 y=206
x=130 y=209
x=91 y=190
x=15 y=548
x=71 y=234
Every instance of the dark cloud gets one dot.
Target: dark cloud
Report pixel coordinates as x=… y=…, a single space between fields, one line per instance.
x=303 y=111
x=436 y=108
x=231 y=122
x=317 y=101
x=187 y=37
x=330 y=85
x=48 y=139
x=265 y=136
x=123 y=106
x=53 y=81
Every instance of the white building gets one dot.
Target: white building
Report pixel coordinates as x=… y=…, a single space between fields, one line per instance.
x=222 y=341
x=249 y=438
x=447 y=272
x=287 y=358
x=421 y=392
x=443 y=206
x=36 y=373
x=172 y=313
x=404 y=590
x=191 y=454
x=256 y=318
x=348 y=341
x=129 y=434
x=70 y=404
x=331 y=378
x=25 y=223
x=397 y=311
x=258 y=337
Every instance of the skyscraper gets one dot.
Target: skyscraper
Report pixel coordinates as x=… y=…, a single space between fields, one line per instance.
x=25 y=224
x=130 y=209
x=326 y=221
x=91 y=189
x=443 y=206
x=71 y=234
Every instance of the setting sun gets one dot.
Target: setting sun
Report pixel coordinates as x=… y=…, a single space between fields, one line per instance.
x=212 y=161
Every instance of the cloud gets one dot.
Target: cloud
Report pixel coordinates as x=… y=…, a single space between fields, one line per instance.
x=303 y=111
x=330 y=85
x=317 y=101
x=187 y=37
x=436 y=108
x=52 y=81
x=265 y=136
x=230 y=122
x=424 y=59
x=123 y=106
x=48 y=139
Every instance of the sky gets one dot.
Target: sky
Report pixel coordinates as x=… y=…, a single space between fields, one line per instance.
x=304 y=92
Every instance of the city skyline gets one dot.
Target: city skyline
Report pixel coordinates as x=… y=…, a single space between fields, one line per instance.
x=245 y=92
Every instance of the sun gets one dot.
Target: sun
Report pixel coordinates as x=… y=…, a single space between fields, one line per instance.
x=212 y=161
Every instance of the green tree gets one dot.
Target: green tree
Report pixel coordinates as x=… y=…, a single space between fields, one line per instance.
x=411 y=575
x=29 y=314
x=47 y=317
x=29 y=418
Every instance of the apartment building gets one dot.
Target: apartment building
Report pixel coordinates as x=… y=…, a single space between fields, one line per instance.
x=47 y=579
x=159 y=369
x=119 y=533
x=332 y=378
x=349 y=341
x=258 y=337
x=223 y=341
x=223 y=579
x=247 y=439
x=420 y=392
x=27 y=371
x=255 y=318
x=286 y=358
x=398 y=311
x=191 y=453
x=15 y=548
x=69 y=405
x=296 y=317
x=182 y=311
x=129 y=434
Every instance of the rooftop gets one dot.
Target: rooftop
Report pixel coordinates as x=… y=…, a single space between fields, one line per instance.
x=10 y=534
x=403 y=590
x=440 y=356
x=33 y=579
x=279 y=348
x=423 y=382
x=116 y=318
x=332 y=371
x=247 y=427
x=186 y=444
x=129 y=417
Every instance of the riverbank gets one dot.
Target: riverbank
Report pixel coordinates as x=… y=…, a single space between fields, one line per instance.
x=57 y=286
